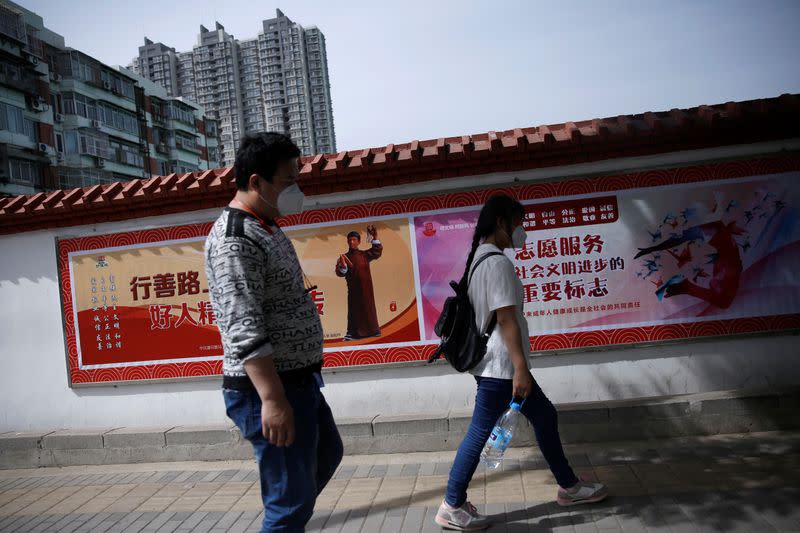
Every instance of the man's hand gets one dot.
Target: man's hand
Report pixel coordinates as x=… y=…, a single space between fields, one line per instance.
x=277 y=422
x=277 y=417
x=373 y=231
x=523 y=383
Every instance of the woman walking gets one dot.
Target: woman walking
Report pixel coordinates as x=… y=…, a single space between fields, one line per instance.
x=504 y=374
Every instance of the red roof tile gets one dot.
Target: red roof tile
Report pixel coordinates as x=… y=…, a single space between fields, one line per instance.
x=518 y=149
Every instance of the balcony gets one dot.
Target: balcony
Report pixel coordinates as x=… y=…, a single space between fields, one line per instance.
x=21 y=80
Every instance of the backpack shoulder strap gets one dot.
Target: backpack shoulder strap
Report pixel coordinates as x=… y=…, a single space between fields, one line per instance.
x=493 y=319
x=478 y=262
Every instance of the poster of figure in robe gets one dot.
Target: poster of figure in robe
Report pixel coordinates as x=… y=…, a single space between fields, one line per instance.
x=363 y=272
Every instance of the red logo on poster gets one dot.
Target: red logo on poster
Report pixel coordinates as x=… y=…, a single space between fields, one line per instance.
x=393 y=307
x=429 y=231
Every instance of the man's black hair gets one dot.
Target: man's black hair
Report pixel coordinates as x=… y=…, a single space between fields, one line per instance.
x=355 y=234
x=261 y=153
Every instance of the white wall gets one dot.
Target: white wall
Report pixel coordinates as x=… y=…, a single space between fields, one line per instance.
x=33 y=374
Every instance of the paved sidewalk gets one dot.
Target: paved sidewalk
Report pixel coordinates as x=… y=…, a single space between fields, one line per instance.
x=723 y=483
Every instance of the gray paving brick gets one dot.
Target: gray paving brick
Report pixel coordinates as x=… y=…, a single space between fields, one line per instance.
x=393 y=520
x=412 y=522
x=374 y=520
x=208 y=522
x=426 y=469
x=516 y=513
x=191 y=522
x=411 y=469
x=141 y=522
x=394 y=470
x=169 y=526
x=378 y=471
x=79 y=520
x=362 y=471
x=255 y=525
x=226 y=475
x=226 y=521
x=345 y=472
x=26 y=522
x=211 y=476
x=183 y=476
x=44 y=525
x=90 y=524
x=442 y=469
x=240 y=475
x=62 y=523
x=7 y=522
x=335 y=521
x=158 y=521
x=428 y=524
x=497 y=513
x=124 y=523
x=242 y=522
x=15 y=483
x=354 y=521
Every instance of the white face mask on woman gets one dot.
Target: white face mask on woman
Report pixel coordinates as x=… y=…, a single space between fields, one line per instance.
x=519 y=237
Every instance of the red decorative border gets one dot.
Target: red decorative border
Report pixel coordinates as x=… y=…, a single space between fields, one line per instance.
x=373 y=356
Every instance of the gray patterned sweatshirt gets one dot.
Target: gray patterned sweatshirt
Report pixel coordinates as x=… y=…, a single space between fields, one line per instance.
x=259 y=299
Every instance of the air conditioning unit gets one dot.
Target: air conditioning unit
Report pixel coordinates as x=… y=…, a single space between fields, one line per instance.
x=55 y=76
x=96 y=124
x=58 y=117
x=37 y=105
x=60 y=156
x=106 y=85
x=101 y=162
x=30 y=58
x=46 y=148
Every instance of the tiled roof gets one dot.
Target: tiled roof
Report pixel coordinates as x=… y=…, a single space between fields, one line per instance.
x=506 y=151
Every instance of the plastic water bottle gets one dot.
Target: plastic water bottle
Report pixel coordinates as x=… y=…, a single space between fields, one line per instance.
x=501 y=436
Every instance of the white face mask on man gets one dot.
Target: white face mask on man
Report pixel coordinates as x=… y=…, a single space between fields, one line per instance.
x=290 y=200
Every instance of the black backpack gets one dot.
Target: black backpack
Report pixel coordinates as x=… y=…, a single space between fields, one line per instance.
x=463 y=345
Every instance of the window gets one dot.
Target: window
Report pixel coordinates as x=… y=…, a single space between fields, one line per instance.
x=163 y=168
x=126 y=154
x=13 y=119
x=186 y=142
x=71 y=144
x=92 y=145
x=60 y=143
x=23 y=172
x=78 y=104
x=117 y=118
x=177 y=112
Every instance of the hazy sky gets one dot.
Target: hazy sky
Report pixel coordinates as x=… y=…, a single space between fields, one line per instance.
x=424 y=69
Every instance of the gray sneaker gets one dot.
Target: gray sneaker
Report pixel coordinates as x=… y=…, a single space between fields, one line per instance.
x=582 y=492
x=464 y=518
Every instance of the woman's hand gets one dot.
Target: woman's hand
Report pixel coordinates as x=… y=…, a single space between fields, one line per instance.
x=523 y=383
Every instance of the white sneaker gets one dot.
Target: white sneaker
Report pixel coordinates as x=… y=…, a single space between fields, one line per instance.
x=582 y=492
x=464 y=518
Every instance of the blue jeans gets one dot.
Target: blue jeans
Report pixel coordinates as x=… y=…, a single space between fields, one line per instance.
x=291 y=477
x=493 y=398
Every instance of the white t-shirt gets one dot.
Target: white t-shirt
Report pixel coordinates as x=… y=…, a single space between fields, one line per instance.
x=495 y=285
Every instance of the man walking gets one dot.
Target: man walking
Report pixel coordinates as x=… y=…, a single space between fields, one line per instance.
x=271 y=335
